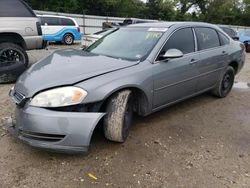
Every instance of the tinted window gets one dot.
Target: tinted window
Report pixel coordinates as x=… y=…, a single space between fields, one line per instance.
x=223 y=39
x=182 y=40
x=50 y=21
x=207 y=38
x=127 y=22
x=67 y=22
x=229 y=31
x=15 y=8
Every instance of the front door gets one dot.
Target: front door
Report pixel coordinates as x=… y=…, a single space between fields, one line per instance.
x=175 y=79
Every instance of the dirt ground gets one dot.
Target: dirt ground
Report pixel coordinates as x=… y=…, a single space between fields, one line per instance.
x=202 y=142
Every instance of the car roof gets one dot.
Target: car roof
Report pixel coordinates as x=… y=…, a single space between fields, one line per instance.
x=170 y=24
x=54 y=16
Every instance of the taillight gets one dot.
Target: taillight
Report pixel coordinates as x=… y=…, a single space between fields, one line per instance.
x=39 y=28
x=78 y=29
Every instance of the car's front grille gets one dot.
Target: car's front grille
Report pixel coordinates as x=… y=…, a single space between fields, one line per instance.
x=42 y=137
x=18 y=97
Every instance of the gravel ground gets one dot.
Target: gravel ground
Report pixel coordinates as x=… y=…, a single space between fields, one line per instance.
x=202 y=142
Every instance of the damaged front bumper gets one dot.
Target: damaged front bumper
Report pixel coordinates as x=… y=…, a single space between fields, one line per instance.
x=67 y=132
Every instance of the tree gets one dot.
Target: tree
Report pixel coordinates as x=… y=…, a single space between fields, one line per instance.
x=223 y=12
x=160 y=9
x=215 y=11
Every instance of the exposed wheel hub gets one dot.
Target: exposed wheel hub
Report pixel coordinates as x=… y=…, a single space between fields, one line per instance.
x=226 y=82
x=68 y=39
x=10 y=56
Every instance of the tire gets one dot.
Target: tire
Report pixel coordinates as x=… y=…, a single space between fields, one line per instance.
x=13 y=62
x=225 y=83
x=68 y=39
x=119 y=116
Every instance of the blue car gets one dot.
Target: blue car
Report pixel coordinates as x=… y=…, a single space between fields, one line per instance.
x=60 y=29
x=244 y=36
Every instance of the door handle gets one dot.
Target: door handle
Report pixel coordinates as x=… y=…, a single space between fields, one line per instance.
x=193 y=61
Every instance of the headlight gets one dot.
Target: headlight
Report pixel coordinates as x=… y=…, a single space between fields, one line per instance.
x=59 y=97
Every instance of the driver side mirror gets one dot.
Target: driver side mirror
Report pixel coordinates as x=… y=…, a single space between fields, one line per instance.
x=171 y=53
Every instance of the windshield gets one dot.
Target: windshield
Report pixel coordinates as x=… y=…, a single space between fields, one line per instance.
x=127 y=43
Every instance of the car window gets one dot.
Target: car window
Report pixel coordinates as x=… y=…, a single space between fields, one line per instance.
x=50 y=21
x=207 y=38
x=224 y=40
x=182 y=40
x=67 y=22
x=15 y=8
x=127 y=22
x=230 y=32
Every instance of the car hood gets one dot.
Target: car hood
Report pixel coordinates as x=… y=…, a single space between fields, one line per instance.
x=66 y=67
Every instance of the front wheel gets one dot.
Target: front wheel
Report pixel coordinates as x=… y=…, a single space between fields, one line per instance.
x=119 y=116
x=68 y=39
x=225 y=83
x=13 y=61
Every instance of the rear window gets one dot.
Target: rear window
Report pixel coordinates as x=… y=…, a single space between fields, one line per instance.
x=15 y=8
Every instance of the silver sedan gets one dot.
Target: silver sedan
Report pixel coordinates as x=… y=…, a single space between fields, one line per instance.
x=140 y=68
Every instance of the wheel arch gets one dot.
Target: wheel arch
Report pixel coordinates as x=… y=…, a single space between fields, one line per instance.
x=70 y=33
x=235 y=66
x=13 y=37
x=141 y=100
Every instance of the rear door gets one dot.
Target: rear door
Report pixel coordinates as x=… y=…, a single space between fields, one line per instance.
x=176 y=79
x=51 y=28
x=212 y=57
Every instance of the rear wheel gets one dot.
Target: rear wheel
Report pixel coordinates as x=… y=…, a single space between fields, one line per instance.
x=119 y=116
x=68 y=39
x=225 y=84
x=13 y=61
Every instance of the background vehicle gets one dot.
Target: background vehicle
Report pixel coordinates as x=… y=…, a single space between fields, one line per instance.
x=90 y=39
x=125 y=22
x=139 y=68
x=231 y=32
x=20 y=30
x=244 y=36
x=60 y=29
